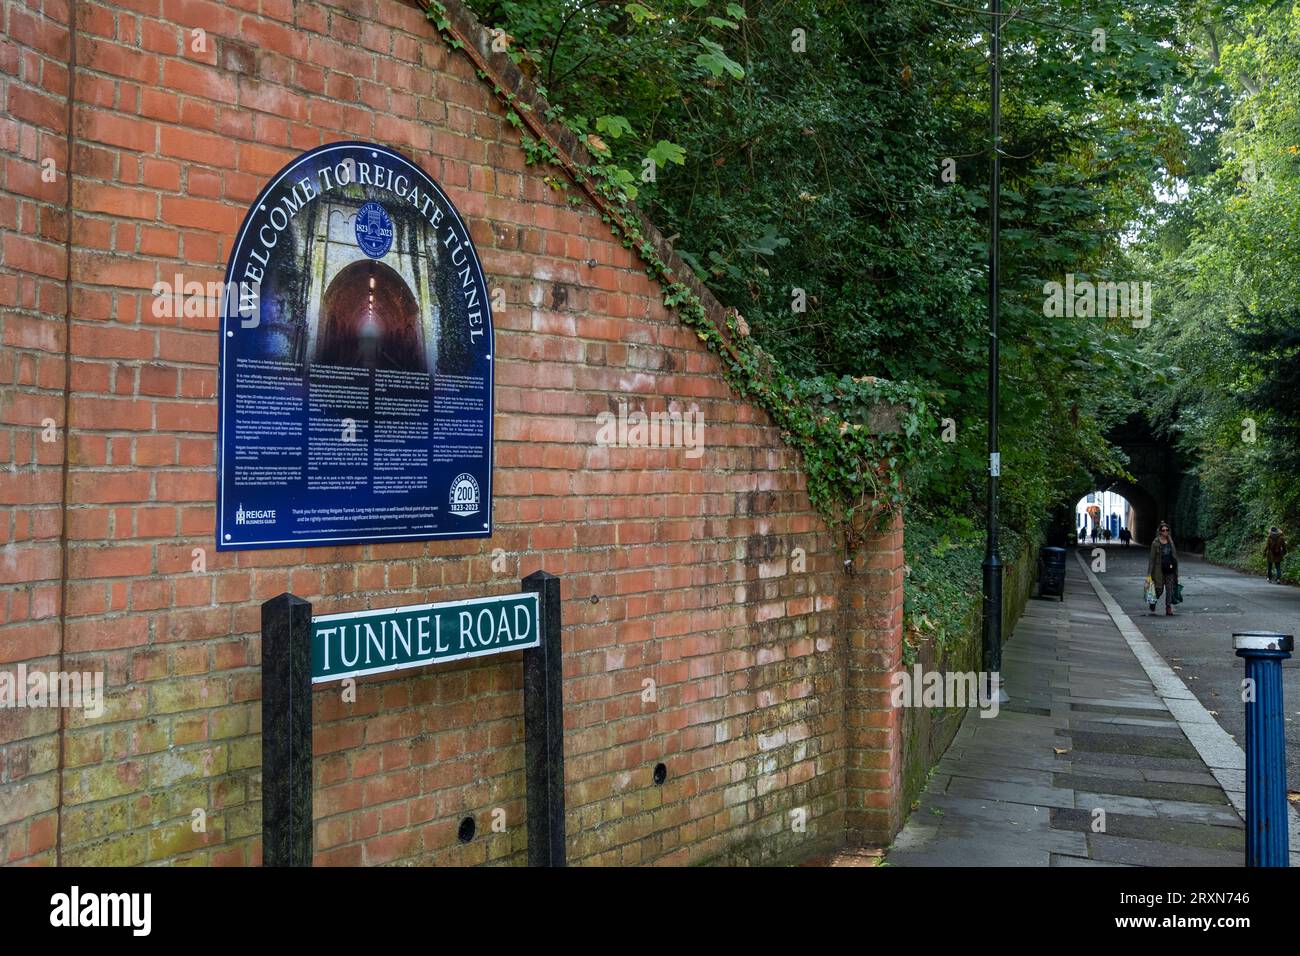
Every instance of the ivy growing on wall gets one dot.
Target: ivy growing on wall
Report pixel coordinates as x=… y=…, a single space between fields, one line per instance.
x=858 y=435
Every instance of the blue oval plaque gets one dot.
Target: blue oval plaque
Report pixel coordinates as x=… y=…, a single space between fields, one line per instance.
x=374 y=230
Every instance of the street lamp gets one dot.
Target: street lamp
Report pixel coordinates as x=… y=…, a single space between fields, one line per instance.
x=992 y=561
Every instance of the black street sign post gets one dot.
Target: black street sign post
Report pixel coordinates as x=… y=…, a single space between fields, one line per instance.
x=286 y=732
x=298 y=651
x=544 y=728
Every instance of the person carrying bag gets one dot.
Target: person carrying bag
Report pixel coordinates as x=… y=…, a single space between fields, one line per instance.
x=1162 y=571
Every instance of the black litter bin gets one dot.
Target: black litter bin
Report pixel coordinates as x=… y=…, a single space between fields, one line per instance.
x=1051 y=572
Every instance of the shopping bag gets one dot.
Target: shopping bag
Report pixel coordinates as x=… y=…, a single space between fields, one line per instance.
x=1178 y=594
x=1149 y=592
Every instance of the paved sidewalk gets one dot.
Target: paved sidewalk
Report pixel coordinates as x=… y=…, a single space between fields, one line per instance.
x=1196 y=642
x=1086 y=731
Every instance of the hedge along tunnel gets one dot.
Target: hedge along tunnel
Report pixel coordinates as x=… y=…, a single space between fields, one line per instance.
x=369 y=319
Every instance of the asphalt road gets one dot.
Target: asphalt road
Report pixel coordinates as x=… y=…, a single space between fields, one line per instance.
x=1197 y=640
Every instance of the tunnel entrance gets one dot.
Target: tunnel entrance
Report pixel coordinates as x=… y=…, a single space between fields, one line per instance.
x=1112 y=506
x=1101 y=516
x=369 y=319
x=1157 y=484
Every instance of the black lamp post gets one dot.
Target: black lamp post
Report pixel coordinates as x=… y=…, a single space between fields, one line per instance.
x=992 y=561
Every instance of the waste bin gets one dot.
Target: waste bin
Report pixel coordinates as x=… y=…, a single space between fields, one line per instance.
x=1051 y=572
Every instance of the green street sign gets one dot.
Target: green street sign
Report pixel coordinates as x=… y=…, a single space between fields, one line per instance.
x=394 y=638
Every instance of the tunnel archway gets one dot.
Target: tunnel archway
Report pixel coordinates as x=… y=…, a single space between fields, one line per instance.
x=1104 y=514
x=1155 y=480
x=1146 y=512
x=370 y=319
x=1107 y=509
x=1144 y=507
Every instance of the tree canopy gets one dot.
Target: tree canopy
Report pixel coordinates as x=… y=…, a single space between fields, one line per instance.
x=823 y=167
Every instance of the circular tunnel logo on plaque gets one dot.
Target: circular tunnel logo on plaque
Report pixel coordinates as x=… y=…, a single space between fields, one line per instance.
x=355 y=387
x=374 y=230
x=464 y=495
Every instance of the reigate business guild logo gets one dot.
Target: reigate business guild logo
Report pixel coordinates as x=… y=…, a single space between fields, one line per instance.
x=248 y=516
x=374 y=230
x=464 y=495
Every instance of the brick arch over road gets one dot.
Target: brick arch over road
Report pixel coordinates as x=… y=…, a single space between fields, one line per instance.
x=1158 y=474
x=1145 y=507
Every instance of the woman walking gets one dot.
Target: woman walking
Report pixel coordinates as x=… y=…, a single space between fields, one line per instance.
x=1162 y=567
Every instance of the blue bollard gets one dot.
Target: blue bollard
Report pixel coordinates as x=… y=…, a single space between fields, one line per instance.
x=1266 y=810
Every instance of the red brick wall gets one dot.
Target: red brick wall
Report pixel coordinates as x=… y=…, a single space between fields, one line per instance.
x=34 y=80
x=679 y=571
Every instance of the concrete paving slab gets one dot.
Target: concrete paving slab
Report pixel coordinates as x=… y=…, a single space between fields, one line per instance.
x=1060 y=859
x=1021 y=793
x=1113 y=849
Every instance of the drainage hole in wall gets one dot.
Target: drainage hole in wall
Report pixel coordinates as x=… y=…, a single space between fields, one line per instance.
x=466 y=831
x=661 y=773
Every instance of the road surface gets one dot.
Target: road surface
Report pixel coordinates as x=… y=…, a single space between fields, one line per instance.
x=1197 y=640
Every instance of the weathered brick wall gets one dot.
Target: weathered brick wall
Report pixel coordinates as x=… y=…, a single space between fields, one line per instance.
x=927 y=731
x=680 y=571
x=872 y=622
x=33 y=269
